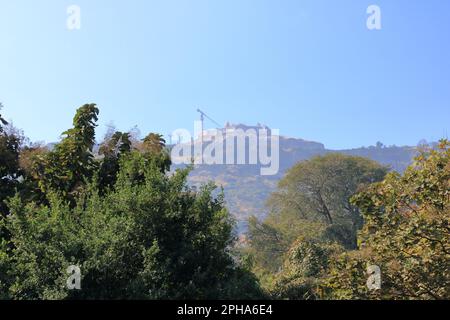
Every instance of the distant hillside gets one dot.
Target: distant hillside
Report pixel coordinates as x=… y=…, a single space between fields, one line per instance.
x=246 y=191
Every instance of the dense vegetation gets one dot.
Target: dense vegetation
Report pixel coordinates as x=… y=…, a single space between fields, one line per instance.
x=138 y=231
x=334 y=216
x=134 y=230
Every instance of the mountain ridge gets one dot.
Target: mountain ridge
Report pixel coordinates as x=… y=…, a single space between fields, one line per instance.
x=246 y=191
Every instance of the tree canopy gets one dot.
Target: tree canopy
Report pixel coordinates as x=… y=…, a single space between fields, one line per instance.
x=406 y=234
x=134 y=231
x=137 y=230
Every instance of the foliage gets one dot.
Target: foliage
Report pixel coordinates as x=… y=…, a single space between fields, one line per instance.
x=135 y=231
x=304 y=269
x=150 y=238
x=406 y=232
x=154 y=146
x=140 y=232
x=112 y=150
x=10 y=142
x=319 y=190
x=311 y=207
x=66 y=168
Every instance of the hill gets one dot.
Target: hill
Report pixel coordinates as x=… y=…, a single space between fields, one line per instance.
x=246 y=190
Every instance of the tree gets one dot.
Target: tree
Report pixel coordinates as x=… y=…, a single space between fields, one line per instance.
x=119 y=143
x=154 y=143
x=310 y=208
x=66 y=168
x=9 y=167
x=112 y=150
x=154 y=238
x=304 y=270
x=10 y=142
x=154 y=147
x=135 y=231
x=2 y=121
x=319 y=190
x=406 y=234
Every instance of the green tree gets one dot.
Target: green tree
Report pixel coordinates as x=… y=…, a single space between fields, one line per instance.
x=9 y=166
x=154 y=143
x=112 y=149
x=406 y=234
x=311 y=205
x=154 y=146
x=313 y=201
x=10 y=143
x=149 y=237
x=319 y=190
x=304 y=270
x=66 y=168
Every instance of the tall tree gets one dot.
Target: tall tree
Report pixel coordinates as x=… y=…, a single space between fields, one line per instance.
x=10 y=142
x=319 y=190
x=154 y=147
x=66 y=168
x=112 y=149
x=311 y=210
x=151 y=239
x=154 y=143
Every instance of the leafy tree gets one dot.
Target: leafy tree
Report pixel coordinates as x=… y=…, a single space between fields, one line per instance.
x=119 y=143
x=9 y=167
x=135 y=231
x=304 y=270
x=406 y=234
x=10 y=142
x=66 y=168
x=155 y=238
x=310 y=208
x=267 y=244
x=154 y=143
x=154 y=146
x=319 y=190
x=112 y=149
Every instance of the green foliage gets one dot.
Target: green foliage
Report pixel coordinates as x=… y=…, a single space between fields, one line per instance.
x=112 y=150
x=406 y=233
x=267 y=245
x=138 y=232
x=304 y=270
x=135 y=231
x=154 y=143
x=147 y=238
x=10 y=170
x=71 y=163
x=119 y=143
x=347 y=277
x=319 y=190
x=311 y=208
x=154 y=146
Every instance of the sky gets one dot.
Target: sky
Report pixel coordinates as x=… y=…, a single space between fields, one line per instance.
x=311 y=69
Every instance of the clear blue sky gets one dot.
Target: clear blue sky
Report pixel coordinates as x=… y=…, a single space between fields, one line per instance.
x=310 y=68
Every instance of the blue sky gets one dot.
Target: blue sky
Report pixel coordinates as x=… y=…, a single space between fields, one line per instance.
x=310 y=68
